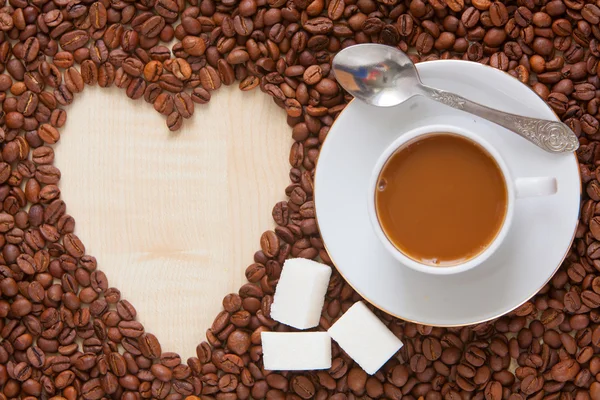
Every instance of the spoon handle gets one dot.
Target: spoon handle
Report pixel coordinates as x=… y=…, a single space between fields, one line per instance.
x=552 y=136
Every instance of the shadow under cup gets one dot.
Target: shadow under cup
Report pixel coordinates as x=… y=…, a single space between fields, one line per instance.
x=440 y=199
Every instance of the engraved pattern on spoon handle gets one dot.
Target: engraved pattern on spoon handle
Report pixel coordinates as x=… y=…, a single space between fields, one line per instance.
x=552 y=136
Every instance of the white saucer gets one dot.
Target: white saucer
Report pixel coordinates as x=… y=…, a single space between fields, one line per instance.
x=539 y=239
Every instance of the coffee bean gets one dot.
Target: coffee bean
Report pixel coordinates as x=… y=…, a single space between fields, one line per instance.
x=161 y=372
x=48 y=133
x=164 y=103
x=194 y=46
x=181 y=69
x=498 y=13
x=73 y=80
x=455 y=5
x=152 y=26
x=133 y=66
x=92 y=390
x=64 y=379
x=131 y=329
x=500 y=61
x=318 y=26
x=303 y=387
x=136 y=88
x=590 y=299
x=184 y=105
x=85 y=361
x=117 y=365
x=432 y=349
x=424 y=42
x=312 y=75
x=494 y=37
x=248 y=83
x=22 y=371
x=269 y=243
x=126 y=311
x=73 y=245
x=209 y=78
x=238 y=342
x=153 y=70
x=584 y=91
x=74 y=40
x=21 y=307
x=149 y=346
x=565 y=370
x=357 y=379
x=27 y=264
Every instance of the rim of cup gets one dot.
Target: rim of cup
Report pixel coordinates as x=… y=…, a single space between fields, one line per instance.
x=418 y=134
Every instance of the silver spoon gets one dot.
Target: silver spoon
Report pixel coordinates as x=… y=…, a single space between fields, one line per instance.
x=385 y=76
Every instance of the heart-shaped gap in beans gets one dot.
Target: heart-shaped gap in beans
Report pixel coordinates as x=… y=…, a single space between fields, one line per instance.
x=173 y=218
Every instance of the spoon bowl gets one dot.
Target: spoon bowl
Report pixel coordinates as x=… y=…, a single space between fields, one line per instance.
x=387 y=79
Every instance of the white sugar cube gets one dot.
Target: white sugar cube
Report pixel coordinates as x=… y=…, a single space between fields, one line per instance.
x=300 y=293
x=365 y=338
x=293 y=351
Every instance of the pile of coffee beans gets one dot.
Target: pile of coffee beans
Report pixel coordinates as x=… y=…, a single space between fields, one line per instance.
x=67 y=334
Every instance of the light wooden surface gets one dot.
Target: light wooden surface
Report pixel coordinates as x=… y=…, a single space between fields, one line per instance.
x=173 y=218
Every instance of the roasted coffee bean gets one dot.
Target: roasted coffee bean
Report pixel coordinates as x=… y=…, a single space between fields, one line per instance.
x=303 y=387
x=36 y=356
x=131 y=329
x=149 y=346
x=174 y=121
x=153 y=70
x=565 y=370
x=73 y=80
x=432 y=349
x=74 y=40
x=269 y=243
x=209 y=78
x=48 y=133
x=136 y=88
x=73 y=245
x=181 y=69
x=194 y=46
x=133 y=66
x=184 y=105
x=498 y=13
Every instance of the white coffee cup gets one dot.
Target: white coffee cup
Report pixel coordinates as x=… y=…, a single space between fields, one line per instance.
x=517 y=188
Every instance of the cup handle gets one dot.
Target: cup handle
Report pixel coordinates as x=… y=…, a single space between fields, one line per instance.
x=535 y=187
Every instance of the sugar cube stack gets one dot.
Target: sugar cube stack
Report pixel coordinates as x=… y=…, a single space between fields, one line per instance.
x=298 y=302
x=300 y=293
x=365 y=338
x=293 y=351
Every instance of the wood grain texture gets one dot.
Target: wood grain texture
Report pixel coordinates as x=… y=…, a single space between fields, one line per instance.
x=173 y=218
